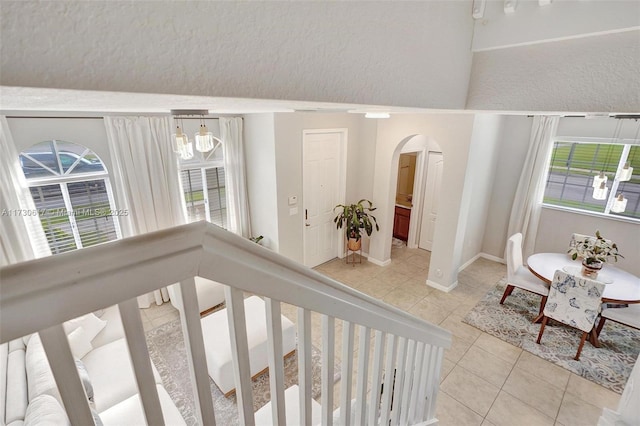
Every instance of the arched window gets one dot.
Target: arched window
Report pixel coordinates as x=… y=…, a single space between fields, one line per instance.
x=70 y=187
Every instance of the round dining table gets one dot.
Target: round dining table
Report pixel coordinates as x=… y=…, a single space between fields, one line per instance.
x=621 y=287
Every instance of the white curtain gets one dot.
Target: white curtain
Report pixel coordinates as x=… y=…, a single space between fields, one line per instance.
x=145 y=176
x=236 y=177
x=21 y=234
x=525 y=212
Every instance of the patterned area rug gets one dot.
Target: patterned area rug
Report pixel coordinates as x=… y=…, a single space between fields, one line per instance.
x=609 y=366
x=167 y=351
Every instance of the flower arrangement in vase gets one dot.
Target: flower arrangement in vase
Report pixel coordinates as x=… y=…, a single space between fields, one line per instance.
x=594 y=252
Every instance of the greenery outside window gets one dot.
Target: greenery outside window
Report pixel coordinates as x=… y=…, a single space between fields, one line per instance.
x=204 y=186
x=205 y=194
x=72 y=194
x=573 y=167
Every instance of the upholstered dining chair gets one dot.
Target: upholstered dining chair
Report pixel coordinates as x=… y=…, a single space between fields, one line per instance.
x=520 y=276
x=629 y=316
x=574 y=301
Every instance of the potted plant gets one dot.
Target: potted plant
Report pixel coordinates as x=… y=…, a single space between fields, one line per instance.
x=594 y=252
x=354 y=218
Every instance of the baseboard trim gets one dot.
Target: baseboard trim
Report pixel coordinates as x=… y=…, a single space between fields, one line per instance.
x=379 y=262
x=493 y=258
x=484 y=256
x=441 y=287
x=468 y=262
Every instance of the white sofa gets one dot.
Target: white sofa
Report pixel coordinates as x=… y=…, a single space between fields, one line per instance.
x=29 y=395
x=210 y=294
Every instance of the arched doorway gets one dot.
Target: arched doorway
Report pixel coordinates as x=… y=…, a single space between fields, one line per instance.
x=423 y=204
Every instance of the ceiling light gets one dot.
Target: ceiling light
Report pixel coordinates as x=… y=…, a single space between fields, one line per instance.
x=377 y=115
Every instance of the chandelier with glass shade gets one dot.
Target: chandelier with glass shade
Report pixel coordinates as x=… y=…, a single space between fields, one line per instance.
x=204 y=139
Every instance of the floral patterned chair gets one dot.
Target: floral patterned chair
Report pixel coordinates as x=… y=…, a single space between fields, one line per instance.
x=575 y=301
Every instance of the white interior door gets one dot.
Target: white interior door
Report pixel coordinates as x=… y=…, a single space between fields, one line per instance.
x=431 y=199
x=322 y=166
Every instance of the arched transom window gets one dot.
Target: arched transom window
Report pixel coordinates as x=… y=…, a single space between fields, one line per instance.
x=71 y=190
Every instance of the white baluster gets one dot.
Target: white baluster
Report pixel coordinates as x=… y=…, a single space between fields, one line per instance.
x=347 y=373
x=56 y=346
x=276 y=361
x=389 y=373
x=376 y=380
x=408 y=382
x=399 y=382
x=363 y=374
x=328 y=347
x=413 y=406
x=304 y=364
x=424 y=382
x=434 y=383
x=194 y=345
x=139 y=353
x=240 y=354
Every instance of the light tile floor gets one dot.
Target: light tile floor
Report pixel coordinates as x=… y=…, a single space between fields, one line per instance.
x=485 y=381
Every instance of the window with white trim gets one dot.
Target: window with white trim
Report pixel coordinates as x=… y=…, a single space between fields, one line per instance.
x=204 y=188
x=574 y=172
x=72 y=194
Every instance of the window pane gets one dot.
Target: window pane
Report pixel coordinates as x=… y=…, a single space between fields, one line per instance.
x=193 y=194
x=91 y=210
x=45 y=159
x=217 y=196
x=573 y=167
x=82 y=159
x=631 y=189
x=54 y=218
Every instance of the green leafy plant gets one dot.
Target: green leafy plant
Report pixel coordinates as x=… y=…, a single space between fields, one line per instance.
x=257 y=239
x=595 y=250
x=355 y=217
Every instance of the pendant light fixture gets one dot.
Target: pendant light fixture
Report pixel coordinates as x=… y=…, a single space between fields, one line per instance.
x=600 y=180
x=600 y=193
x=205 y=141
x=619 y=205
x=627 y=170
x=204 y=138
x=182 y=146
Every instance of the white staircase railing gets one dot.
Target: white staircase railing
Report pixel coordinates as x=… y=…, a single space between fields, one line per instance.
x=40 y=295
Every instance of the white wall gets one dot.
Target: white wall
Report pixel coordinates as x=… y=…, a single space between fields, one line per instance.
x=512 y=150
x=88 y=132
x=349 y=52
x=591 y=74
x=262 y=185
x=288 y=140
x=556 y=227
x=479 y=181
x=561 y=19
x=453 y=133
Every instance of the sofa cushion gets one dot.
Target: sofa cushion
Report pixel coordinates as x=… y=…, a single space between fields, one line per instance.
x=92 y=325
x=4 y=361
x=111 y=373
x=16 y=391
x=113 y=330
x=40 y=380
x=130 y=411
x=45 y=410
x=79 y=342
